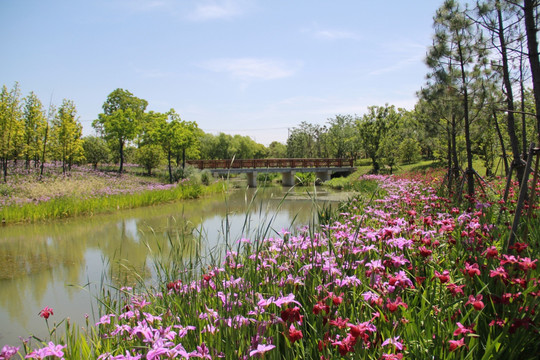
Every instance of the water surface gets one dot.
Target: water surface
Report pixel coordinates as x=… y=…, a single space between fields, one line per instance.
x=63 y=264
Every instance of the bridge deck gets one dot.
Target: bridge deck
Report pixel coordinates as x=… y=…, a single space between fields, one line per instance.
x=289 y=164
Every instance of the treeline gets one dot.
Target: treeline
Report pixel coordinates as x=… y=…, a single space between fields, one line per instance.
x=125 y=131
x=479 y=101
x=29 y=133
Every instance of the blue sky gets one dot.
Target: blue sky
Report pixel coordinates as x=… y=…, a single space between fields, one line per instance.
x=248 y=67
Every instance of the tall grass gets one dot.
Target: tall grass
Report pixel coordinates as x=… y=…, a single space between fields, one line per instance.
x=69 y=206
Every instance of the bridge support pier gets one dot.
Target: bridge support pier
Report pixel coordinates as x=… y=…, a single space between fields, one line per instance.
x=252 y=179
x=287 y=178
x=322 y=176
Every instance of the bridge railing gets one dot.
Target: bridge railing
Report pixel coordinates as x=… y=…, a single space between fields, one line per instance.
x=269 y=163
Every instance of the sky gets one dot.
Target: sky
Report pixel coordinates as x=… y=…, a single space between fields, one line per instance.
x=251 y=67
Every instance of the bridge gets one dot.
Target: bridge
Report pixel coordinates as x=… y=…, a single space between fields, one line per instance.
x=323 y=168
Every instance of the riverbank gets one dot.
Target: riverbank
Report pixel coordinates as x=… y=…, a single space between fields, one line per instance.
x=85 y=192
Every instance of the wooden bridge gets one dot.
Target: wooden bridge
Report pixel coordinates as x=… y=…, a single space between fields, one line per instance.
x=323 y=168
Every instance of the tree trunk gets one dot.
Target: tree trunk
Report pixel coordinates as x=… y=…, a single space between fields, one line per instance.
x=524 y=143
x=170 y=167
x=510 y=119
x=183 y=158
x=450 y=173
x=44 y=150
x=501 y=140
x=469 y=172
x=532 y=44
x=4 y=169
x=455 y=166
x=121 y=157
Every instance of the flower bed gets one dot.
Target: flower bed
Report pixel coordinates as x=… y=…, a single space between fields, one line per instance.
x=406 y=276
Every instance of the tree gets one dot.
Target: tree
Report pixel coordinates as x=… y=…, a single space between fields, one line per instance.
x=342 y=135
x=51 y=114
x=11 y=126
x=149 y=157
x=67 y=132
x=456 y=58
x=372 y=128
x=174 y=138
x=530 y=11
x=409 y=150
x=307 y=141
x=499 y=18
x=95 y=150
x=277 y=150
x=121 y=120
x=388 y=152
x=35 y=125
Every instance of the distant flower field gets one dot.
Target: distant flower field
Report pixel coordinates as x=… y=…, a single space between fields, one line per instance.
x=26 y=197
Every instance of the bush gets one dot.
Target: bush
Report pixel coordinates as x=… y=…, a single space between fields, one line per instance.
x=95 y=150
x=266 y=178
x=188 y=172
x=149 y=157
x=339 y=183
x=206 y=176
x=305 y=179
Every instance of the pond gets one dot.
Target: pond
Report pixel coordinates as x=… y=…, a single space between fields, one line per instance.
x=64 y=264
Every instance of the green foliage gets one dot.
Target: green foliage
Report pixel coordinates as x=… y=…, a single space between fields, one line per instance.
x=372 y=128
x=277 y=150
x=305 y=178
x=339 y=183
x=121 y=120
x=95 y=150
x=409 y=151
x=206 y=177
x=66 y=133
x=342 y=137
x=11 y=126
x=224 y=146
x=265 y=179
x=35 y=125
x=149 y=157
x=184 y=173
x=307 y=141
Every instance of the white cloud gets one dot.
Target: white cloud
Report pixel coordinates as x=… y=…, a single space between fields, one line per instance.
x=214 y=9
x=404 y=54
x=247 y=69
x=335 y=35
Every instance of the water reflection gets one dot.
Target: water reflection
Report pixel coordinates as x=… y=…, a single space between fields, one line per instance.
x=50 y=264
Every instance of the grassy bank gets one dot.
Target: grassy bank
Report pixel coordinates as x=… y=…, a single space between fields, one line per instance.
x=84 y=192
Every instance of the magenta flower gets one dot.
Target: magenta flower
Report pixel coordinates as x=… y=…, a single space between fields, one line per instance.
x=393 y=341
x=462 y=330
x=455 y=344
x=8 y=351
x=476 y=302
x=46 y=312
x=261 y=349
x=472 y=269
x=50 y=350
